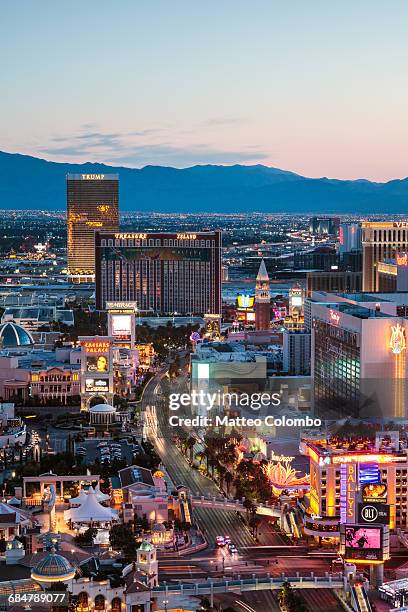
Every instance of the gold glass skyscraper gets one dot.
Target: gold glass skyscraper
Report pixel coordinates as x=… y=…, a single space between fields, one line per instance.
x=92 y=205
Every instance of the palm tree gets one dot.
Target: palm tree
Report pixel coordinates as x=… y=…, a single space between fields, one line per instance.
x=222 y=470
x=254 y=524
x=201 y=455
x=213 y=463
x=190 y=445
x=249 y=506
x=228 y=480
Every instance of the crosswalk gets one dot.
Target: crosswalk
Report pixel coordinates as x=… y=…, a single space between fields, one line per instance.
x=223 y=523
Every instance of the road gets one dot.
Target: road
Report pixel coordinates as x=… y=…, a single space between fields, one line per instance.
x=315 y=600
x=277 y=558
x=212 y=522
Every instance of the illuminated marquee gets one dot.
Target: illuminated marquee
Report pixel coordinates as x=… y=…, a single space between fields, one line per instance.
x=131 y=235
x=401 y=224
x=347 y=492
x=363 y=459
x=124 y=307
x=186 y=236
x=397 y=339
x=96 y=347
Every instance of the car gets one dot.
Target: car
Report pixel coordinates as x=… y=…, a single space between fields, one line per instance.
x=227 y=540
x=102 y=444
x=232 y=548
x=220 y=541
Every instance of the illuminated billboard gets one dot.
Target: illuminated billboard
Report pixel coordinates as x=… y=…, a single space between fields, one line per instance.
x=296 y=300
x=121 y=325
x=245 y=301
x=375 y=493
x=96 y=384
x=378 y=514
x=368 y=473
x=363 y=543
x=97 y=363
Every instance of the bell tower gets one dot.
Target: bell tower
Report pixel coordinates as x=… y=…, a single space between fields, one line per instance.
x=262 y=299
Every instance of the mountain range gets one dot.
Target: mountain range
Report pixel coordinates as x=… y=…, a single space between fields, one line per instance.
x=31 y=183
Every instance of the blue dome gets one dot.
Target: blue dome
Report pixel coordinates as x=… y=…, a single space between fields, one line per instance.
x=53 y=567
x=13 y=335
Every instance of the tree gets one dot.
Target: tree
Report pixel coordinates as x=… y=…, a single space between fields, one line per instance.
x=86 y=538
x=190 y=445
x=289 y=601
x=121 y=537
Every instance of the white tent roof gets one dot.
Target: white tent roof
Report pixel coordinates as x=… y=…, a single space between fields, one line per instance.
x=99 y=495
x=80 y=499
x=90 y=511
x=21 y=515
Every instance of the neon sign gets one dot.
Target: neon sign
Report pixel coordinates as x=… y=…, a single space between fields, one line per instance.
x=402 y=259
x=281 y=458
x=397 y=339
x=334 y=316
x=96 y=347
x=93 y=177
x=131 y=235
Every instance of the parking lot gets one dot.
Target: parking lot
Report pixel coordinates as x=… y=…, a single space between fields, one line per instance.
x=106 y=451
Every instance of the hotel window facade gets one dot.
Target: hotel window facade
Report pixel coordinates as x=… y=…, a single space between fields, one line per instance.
x=92 y=204
x=381 y=241
x=162 y=273
x=336 y=368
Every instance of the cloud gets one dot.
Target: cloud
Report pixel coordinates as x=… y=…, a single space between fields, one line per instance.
x=160 y=154
x=143 y=147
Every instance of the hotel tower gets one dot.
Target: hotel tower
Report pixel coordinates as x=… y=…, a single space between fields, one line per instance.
x=92 y=204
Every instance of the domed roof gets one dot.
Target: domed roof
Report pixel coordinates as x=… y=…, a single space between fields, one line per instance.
x=146 y=546
x=159 y=527
x=102 y=408
x=12 y=335
x=53 y=568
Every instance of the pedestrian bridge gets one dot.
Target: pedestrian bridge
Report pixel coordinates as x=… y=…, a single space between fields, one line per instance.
x=329 y=581
x=233 y=504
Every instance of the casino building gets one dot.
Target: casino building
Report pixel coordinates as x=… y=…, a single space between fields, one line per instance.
x=381 y=241
x=164 y=273
x=92 y=204
x=340 y=469
x=358 y=354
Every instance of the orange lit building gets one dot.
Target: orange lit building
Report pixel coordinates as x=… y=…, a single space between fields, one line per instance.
x=55 y=383
x=92 y=205
x=381 y=241
x=339 y=471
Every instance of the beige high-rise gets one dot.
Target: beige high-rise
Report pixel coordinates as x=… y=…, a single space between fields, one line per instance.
x=381 y=241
